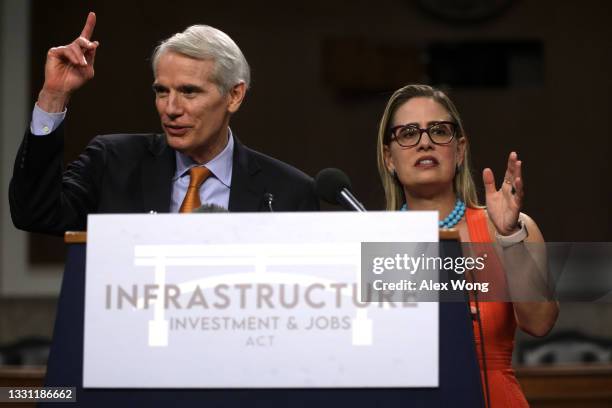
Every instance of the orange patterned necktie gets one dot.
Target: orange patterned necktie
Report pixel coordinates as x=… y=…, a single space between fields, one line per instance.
x=197 y=176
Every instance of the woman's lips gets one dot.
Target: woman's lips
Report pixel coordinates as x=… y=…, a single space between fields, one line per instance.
x=426 y=162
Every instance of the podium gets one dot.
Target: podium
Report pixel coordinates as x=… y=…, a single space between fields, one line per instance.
x=459 y=374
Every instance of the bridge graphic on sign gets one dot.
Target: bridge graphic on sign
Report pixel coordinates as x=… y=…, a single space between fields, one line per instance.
x=258 y=258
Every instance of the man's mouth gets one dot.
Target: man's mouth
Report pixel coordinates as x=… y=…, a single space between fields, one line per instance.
x=176 y=130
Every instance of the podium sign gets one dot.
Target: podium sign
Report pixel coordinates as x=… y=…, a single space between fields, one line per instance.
x=267 y=300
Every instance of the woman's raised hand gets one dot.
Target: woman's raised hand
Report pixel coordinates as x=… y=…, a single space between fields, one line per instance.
x=504 y=205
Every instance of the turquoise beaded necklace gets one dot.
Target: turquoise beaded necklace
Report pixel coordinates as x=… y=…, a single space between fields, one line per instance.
x=451 y=219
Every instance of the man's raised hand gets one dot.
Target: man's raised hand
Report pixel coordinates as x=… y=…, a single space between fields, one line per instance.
x=68 y=68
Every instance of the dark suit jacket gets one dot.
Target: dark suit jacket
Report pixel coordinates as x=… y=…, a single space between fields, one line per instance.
x=132 y=174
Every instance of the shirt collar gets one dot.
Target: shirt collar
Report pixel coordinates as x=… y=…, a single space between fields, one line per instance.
x=220 y=166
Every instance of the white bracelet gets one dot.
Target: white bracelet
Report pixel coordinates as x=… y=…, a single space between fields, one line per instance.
x=517 y=237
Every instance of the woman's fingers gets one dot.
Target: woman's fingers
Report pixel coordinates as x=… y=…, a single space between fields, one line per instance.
x=489 y=181
x=517 y=168
x=519 y=192
x=509 y=174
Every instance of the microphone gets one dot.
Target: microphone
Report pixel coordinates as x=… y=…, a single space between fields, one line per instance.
x=210 y=208
x=333 y=186
x=269 y=198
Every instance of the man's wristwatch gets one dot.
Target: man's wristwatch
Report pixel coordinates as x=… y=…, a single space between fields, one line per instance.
x=519 y=236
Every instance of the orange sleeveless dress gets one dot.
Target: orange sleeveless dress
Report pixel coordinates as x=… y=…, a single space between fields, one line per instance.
x=498 y=328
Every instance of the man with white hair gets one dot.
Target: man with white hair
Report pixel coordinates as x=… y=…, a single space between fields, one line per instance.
x=201 y=78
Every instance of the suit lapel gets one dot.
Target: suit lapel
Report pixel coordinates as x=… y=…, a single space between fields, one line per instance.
x=247 y=190
x=157 y=171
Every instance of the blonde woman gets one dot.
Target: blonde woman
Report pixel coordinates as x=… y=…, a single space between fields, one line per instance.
x=423 y=161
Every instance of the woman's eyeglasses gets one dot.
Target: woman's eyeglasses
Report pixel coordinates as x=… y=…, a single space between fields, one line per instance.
x=440 y=133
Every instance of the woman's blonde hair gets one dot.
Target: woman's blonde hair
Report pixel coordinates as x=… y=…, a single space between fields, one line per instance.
x=463 y=183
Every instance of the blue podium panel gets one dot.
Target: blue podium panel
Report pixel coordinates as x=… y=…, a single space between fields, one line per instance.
x=460 y=384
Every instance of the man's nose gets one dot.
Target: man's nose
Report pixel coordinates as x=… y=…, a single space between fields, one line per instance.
x=174 y=107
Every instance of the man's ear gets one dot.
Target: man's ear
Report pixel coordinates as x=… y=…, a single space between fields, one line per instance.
x=236 y=96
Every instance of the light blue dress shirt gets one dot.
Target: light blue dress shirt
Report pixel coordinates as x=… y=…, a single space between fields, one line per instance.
x=215 y=190
x=43 y=122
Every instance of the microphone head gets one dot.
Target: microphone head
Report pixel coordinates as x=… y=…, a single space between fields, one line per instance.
x=210 y=208
x=329 y=182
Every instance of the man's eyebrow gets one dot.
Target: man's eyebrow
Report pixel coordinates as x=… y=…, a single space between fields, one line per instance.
x=158 y=87
x=189 y=88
